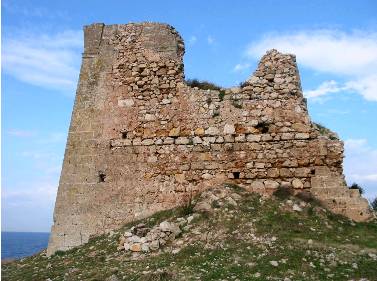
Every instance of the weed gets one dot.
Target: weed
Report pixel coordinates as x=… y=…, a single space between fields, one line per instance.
x=215 y=204
x=221 y=95
x=356 y=186
x=59 y=253
x=237 y=104
x=374 y=204
x=325 y=131
x=188 y=208
x=243 y=84
x=283 y=192
x=236 y=187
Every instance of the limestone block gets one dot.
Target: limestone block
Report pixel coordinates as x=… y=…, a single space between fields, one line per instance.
x=302 y=136
x=174 y=132
x=273 y=173
x=197 y=140
x=219 y=139
x=287 y=136
x=270 y=184
x=297 y=184
x=136 y=247
x=253 y=80
x=253 y=138
x=257 y=185
x=240 y=138
x=147 y=142
x=299 y=127
x=259 y=165
x=168 y=140
x=290 y=163
x=229 y=138
x=207 y=176
x=149 y=117
x=182 y=140
x=126 y=103
x=302 y=172
x=229 y=129
x=199 y=131
x=212 y=131
x=165 y=101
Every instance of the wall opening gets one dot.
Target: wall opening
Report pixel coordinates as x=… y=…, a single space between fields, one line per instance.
x=236 y=175
x=101 y=176
x=263 y=127
x=124 y=135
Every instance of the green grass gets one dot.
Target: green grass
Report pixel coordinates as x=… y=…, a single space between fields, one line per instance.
x=231 y=242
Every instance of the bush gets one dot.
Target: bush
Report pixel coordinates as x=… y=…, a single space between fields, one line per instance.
x=374 y=204
x=237 y=104
x=283 y=192
x=243 y=84
x=325 y=131
x=221 y=95
x=204 y=85
x=356 y=186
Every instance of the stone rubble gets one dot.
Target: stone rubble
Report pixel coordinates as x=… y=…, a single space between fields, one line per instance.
x=143 y=239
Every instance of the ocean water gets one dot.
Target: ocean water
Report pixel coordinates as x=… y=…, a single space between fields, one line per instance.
x=15 y=245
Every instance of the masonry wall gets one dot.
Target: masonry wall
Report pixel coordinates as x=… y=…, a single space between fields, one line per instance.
x=141 y=140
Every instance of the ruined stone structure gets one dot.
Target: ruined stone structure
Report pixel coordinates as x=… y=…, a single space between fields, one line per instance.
x=141 y=140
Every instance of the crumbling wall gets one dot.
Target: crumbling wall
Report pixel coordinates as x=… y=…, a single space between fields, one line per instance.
x=141 y=140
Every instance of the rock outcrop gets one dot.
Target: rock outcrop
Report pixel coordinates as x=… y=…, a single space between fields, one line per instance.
x=142 y=141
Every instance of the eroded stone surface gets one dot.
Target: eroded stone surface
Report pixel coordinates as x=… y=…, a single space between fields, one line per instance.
x=141 y=140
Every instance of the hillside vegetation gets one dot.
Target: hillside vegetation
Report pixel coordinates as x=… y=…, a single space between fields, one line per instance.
x=225 y=234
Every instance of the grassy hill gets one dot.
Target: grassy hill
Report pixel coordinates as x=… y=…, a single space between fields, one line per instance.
x=227 y=234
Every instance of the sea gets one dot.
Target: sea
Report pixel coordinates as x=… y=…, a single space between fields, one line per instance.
x=16 y=245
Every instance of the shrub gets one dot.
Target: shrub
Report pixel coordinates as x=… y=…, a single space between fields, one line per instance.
x=283 y=192
x=59 y=253
x=325 y=131
x=356 y=186
x=243 y=84
x=221 y=95
x=204 y=85
x=374 y=204
x=188 y=208
x=237 y=104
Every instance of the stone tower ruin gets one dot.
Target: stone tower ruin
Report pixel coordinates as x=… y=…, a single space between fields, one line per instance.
x=141 y=140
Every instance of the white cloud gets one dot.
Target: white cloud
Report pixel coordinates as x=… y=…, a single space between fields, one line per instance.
x=39 y=192
x=241 y=67
x=360 y=165
x=324 y=89
x=193 y=39
x=21 y=133
x=367 y=86
x=53 y=137
x=31 y=10
x=48 y=61
x=210 y=40
x=352 y=55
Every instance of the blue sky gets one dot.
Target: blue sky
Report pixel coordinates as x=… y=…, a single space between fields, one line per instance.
x=335 y=43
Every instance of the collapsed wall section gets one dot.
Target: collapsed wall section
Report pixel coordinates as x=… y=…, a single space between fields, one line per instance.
x=141 y=140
